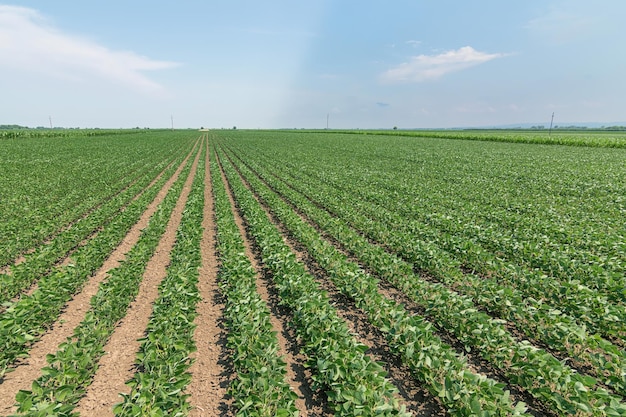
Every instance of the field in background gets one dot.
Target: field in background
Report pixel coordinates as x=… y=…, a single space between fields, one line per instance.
x=359 y=272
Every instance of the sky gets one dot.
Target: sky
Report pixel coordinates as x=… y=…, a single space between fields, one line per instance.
x=344 y=64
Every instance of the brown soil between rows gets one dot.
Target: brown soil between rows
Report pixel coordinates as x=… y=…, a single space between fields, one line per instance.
x=116 y=365
x=6 y=270
x=210 y=371
x=73 y=313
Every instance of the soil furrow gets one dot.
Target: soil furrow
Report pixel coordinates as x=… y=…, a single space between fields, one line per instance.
x=117 y=365
x=74 y=312
x=210 y=373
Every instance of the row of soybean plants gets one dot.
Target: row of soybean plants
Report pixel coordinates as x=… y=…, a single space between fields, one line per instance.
x=385 y=195
x=589 y=306
x=41 y=261
x=25 y=320
x=558 y=213
x=558 y=209
x=157 y=388
x=473 y=327
x=355 y=385
x=259 y=388
x=541 y=199
x=537 y=319
x=23 y=132
x=71 y=369
x=48 y=184
x=411 y=337
x=540 y=321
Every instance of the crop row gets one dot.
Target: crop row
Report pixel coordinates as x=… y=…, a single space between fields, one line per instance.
x=539 y=321
x=557 y=213
x=410 y=337
x=70 y=370
x=380 y=220
x=492 y=340
x=23 y=133
x=163 y=359
x=47 y=185
x=555 y=210
x=596 y=139
x=26 y=319
x=41 y=261
x=557 y=245
x=355 y=384
x=551 y=248
x=584 y=304
x=259 y=388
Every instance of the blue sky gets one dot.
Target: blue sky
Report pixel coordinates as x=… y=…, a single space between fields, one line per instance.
x=277 y=64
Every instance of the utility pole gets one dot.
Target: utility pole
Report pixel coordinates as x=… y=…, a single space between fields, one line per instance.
x=172 y=117
x=552 y=120
x=50 y=118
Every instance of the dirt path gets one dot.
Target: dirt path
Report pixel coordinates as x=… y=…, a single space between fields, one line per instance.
x=116 y=366
x=209 y=372
x=74 y=311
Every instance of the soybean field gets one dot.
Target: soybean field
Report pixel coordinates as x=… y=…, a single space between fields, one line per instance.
x=312 y=273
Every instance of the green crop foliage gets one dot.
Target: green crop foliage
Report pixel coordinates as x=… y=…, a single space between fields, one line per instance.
x=512 y=244
x=72 y=367
x=157 y=388
x=354 y=383
x=540 y=244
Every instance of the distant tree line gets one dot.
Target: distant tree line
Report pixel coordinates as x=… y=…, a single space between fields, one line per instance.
x=574 y=127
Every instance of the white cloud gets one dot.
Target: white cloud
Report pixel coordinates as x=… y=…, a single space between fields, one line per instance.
x=431 y=67
x=34 y=45
x=414 y=43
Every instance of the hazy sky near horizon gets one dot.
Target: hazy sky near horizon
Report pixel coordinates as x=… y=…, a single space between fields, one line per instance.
x=283 y=64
